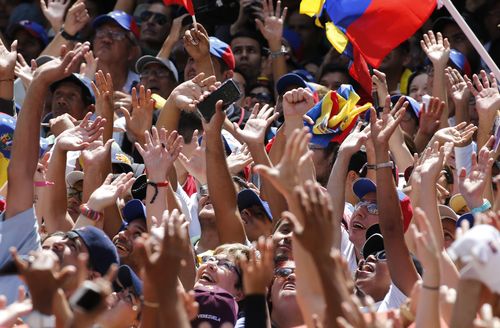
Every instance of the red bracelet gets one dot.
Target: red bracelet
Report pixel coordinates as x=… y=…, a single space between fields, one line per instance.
x=43 y=183
x=90 y=213
x=155 y=185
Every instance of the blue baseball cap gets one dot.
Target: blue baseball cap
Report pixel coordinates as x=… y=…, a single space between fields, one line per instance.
x=119 y=17
x=31 y=27
x=466 y=217
x=134 y=210
x=305 y=75
x=126 y=278
x=248 y=198
x=81 y=81
x=223 y=51
x=102 y=251
x=292 y=80
x=414 y=105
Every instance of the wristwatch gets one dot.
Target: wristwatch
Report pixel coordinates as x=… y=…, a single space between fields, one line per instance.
x=68 y=36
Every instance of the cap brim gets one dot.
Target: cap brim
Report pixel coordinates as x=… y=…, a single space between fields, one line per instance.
x=126 y=278
x=363 y=186
x=134 y=210
x=73 y=177
x=248 y=198
x=447 y=212
x=373 y=245
x=288 y=80
x=466 y=217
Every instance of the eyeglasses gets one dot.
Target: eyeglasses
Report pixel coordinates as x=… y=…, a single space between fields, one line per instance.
x=372 y=208
x=223 y=263
x=159 y=19
x=158 y=73
x=283 y=272
x=75 y=193
x=113 y=35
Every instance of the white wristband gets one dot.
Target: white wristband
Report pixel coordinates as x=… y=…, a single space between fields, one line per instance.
x=463 y=157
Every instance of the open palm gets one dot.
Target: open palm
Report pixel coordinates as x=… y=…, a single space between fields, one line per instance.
x=257 y=124
x=82 y=135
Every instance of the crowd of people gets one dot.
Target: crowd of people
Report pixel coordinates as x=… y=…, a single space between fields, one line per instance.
x=307 y=202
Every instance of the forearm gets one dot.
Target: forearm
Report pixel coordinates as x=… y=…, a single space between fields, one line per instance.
x=93 y=178
x=336 y=183
x=54 y=47
x=467 y=303
x=428 y=301
x=439 y=90
x=52 y=201
x=171 y=311
x=421 y=141
x=277 y=202
x=187 y=273
x=402 y=155
x=427 y=202
x=155 y=207
x=484 y=130
x=462 y=111
x=166 y=48
x=278 y=146
x=169 y=116
x=127 y=6
x=222 y=192
x=449 y=272
x=401 y=267
x=278 y=63
x=204 y=65
x=7 y=87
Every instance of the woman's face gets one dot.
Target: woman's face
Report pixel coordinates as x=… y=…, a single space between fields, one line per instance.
x=418 y=87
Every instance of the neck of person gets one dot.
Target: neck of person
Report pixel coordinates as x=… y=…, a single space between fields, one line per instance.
x=287 y=317
x=119 y=73
x=209 y=239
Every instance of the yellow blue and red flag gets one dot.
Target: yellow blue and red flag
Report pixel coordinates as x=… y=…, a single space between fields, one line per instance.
x=335 y=115
x=375 y=27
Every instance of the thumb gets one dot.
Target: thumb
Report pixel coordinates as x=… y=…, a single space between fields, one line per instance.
x=125 y=113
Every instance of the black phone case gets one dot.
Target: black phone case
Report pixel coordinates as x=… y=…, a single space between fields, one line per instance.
x=228 y=92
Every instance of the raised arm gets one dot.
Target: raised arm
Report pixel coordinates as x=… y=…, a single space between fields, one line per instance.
x=460 y=94
x=401 y=268
x=437 y=50
x=220 y=185
x=172 y=38
x=25 y=149
x=7 y=77
x=197 y=45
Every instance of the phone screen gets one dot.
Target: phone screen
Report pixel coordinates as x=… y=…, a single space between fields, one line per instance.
x=228 y=92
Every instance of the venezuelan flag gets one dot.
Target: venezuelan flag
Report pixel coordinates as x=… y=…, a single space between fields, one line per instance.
x=335 y=115
x=375 y=27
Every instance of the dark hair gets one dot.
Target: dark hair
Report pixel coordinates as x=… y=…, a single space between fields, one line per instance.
x=251 y=34
x=189 y=122
x=419 y=70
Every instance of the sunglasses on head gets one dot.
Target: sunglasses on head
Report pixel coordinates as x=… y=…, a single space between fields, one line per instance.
x=159 y=19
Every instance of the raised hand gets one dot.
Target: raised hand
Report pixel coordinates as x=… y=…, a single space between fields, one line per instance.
x=24 y=71
x=383 y=128
x=432 y=161
x=96 y=153
x=472 y=185
x=76 y=18
x=258 y=272
x=297 y=102
x=272 y=25
x=197 y=43
x=284 y=176
x=62 y=123
x=379 y=83
x=103 y=91
x=89 y=67
x=107 y=194
x=314 y=227
x=10 y=314
x=357 y=138
x=486 y=94
x=8 y=61
x=188 y=94
x=436 y=48
x=459 y=90
x=141 y=118
x=460 y=135
x=160 y=152
x=196 y=164
x=426 y=246
x=82 y=135
x=238 y=160
x=255 y=128
x=429 y=117
x=58 y=69
x=54 y=11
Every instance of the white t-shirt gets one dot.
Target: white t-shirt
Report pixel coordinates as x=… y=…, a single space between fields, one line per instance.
x=348 y=251
x=392 y=300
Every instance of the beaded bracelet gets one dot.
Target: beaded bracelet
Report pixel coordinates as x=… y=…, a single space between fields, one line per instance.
x=90 y=213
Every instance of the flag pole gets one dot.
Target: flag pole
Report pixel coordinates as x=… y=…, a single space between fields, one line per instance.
x=472 y=38
x=194 y=22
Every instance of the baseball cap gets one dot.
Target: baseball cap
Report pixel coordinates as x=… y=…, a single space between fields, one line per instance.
x=374 y=241
x=460 y=61
x=133 y=210
x=147 y=59
x=73 y=177
x=139 y=187
x=414 y=105
x=248 y=198
x=216 y=306
x=469 y=217
x=81 y=81
x=223 y=51
x=363 y=186
x=102 y=252
x=288 y=80
x=305 y=75
x=33 y=28
x=458 y=203
x=120 y=160
x=126 y=278
x=119 y=17
x=446 y=212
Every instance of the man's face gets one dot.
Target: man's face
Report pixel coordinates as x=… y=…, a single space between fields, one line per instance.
x=111 y=43
x=256 y=221
x=365 y=215
x=372 y=277
x=219 y=271
x=282 y=240
x=458 y=40
x=283 y=287
x=67 y=98
x=333 y=80
x=27 y=45
x=124 y=240
x=75 y=199
x=156 y=23
x=449 y=228
x=304 y=26
x=247 y=55
x=158 y=79
x=68 y=249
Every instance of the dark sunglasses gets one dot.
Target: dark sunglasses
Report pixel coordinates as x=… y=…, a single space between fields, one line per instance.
x=262 y=96
x=159 y=19
x=283 y=272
